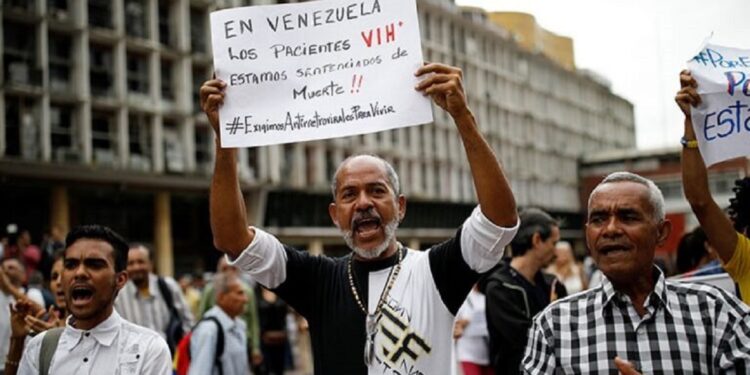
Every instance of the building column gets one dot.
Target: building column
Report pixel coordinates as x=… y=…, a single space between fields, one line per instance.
x=163 y=234
x=315 y=247
x=59 y=208
x=414 y=244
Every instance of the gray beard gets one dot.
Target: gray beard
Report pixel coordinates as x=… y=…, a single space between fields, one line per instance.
x=390 y=234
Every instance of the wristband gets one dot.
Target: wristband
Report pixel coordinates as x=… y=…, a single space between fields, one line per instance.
x=691 y=143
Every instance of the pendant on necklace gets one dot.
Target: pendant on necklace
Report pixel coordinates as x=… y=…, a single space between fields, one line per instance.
x=371 y=325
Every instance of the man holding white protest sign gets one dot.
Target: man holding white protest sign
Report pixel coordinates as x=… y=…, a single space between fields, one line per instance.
x=717 y=89
x=384 y=309
x=393 y=304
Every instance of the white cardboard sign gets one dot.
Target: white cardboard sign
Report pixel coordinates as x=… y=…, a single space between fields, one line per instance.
x=722 y=121
x=318 y=69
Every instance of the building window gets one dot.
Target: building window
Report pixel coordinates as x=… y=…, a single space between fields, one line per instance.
x=60 y=62
x=19 y=54
x=63 y=133
x=100 y=13
x=138 y=81
x=136 y=22
x=253 y=162
x=18 y=5
x=101 y=70
x=167 y=81
x=21 y=128
x=58 y=9
x=166 y=37
x=174 y=155
x=103 y=138
x=287 y=165
x=198 y=30
x=199 y=75
x=203 y=155
x=139 y=141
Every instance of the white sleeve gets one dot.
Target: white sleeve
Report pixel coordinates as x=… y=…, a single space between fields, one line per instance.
x=158 y=360
x=264 y=259
x=30 y=358
x=482 y=242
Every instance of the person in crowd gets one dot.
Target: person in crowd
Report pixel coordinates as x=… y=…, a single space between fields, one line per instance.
x=695 y=257
x=36 y=281
x=637 y=320
x=249 y=313
x=471 y=335
x=230 y=302
x=518 y=289
x=729 y=240
x=29 y=254
x=192 y=296
x=146 y=299
x=384 y=307
x=27 y=317
x=274 y=341
x=15 y=271
x=96 y=340
x=567 y=269
x=52 y=243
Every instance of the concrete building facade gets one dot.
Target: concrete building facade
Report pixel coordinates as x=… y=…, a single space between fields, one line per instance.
x=100 y=122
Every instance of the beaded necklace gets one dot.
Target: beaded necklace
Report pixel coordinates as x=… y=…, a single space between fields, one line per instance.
x=371 y=320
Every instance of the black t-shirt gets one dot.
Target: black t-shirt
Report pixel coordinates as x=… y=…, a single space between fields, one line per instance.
x=320 y=290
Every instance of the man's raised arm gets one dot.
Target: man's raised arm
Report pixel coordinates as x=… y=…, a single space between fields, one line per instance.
x=228 y=214
x=444 y=84
x=718 y=228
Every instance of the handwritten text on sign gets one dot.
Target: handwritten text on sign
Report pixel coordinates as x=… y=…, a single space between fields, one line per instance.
x=317 y=70
x=722 y=121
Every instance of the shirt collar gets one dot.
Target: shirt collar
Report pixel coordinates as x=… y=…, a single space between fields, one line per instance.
x=104 y=333
x=657 y=297
x=224 y=319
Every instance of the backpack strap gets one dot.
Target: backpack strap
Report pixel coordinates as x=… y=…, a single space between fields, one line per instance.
x=49 y=345
x=166 y=293
x=219 y=343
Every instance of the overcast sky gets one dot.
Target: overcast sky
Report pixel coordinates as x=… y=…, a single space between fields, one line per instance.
x=640 y=46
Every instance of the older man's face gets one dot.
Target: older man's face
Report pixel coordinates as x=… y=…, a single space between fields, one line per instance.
x=366 y=209
x=622 y=231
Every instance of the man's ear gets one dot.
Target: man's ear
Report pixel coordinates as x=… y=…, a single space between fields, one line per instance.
x=121 y=279
x=536 y=240
x=401 y=207
x=332 y=212
x=664 y=229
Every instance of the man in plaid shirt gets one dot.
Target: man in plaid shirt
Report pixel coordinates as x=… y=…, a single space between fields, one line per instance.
x=637 y=321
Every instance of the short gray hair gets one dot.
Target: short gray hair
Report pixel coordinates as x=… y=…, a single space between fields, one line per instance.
x=655 y=197
x=389 y=172
x=222 y=281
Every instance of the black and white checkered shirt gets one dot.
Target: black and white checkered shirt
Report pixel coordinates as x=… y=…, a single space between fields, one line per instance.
x=687 y=329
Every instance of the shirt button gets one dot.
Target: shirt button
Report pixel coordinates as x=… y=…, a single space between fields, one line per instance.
x=88 y=334
x=86 y=359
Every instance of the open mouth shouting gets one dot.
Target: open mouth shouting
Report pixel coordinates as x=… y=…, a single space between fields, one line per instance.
x=81 y=295
x=366 y=227
x=614 y=249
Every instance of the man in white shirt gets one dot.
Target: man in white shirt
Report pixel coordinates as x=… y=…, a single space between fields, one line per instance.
x=230 y=303
x=96 y=340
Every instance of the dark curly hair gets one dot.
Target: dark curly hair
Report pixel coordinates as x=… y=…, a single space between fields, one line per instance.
x=739 y=206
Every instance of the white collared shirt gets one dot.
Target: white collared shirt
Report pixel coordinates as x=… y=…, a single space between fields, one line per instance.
x=115 y=346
